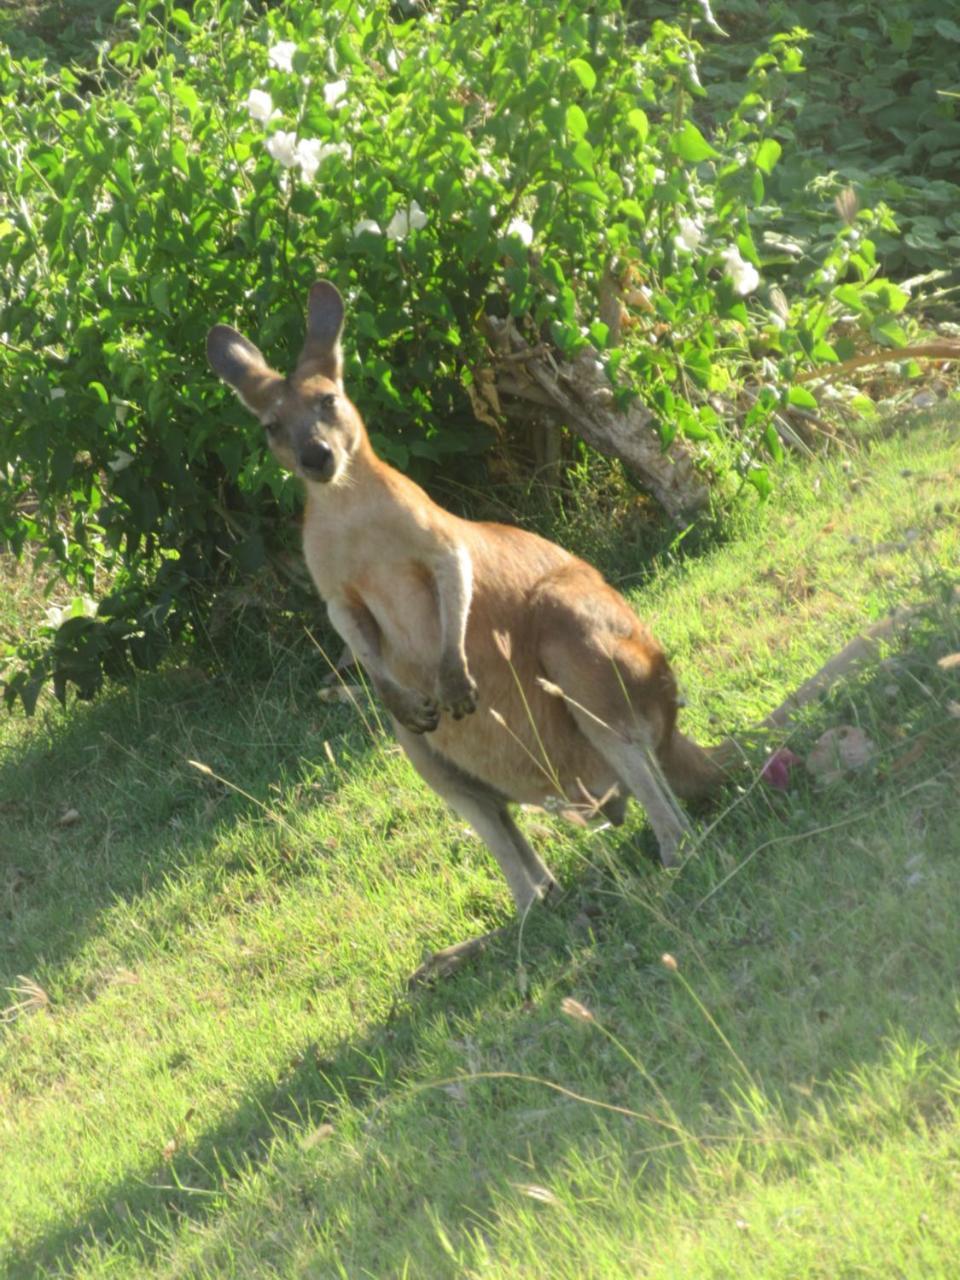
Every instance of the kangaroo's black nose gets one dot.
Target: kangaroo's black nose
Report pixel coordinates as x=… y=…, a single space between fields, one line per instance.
x=316 y=460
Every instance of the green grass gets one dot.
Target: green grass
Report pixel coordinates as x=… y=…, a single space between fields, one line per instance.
x=211 y=1065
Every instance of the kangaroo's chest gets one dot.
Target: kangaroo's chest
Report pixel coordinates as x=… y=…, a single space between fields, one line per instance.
x=374 y=567
x=401 y=596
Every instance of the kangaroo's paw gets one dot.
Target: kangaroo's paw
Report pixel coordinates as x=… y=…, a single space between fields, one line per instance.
x=457 y=693
x=415 y=711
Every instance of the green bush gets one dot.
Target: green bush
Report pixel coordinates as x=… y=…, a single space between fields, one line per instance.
x=440 y=166
x=877 y=108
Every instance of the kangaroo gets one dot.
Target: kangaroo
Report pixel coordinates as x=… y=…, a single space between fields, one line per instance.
x=512 y=671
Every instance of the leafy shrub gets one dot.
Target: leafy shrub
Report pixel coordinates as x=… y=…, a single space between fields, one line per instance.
x=878 y=108
x=480 y=159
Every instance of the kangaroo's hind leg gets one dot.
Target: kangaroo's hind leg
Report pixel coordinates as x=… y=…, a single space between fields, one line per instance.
x=619 y=690
x=635 y=764
x=486 y=811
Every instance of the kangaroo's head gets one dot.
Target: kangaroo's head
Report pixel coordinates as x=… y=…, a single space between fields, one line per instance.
x=312 y=428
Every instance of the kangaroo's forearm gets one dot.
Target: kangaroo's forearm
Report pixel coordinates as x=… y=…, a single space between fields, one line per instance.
x=453 y=575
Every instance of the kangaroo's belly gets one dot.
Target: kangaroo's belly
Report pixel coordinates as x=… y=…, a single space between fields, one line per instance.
x=522 y=741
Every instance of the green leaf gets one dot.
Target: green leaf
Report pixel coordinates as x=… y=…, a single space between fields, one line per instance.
x=187 y=96
x=638 y=122
x=160 y=294
x=585 y=187
x=584 y=73
x=759 y=478
x=772 y=441
x=850 y=296
x=576 y=121
x=690 y=144
x=633 y=209
x=890 y=332
x=182 y=19
x=583 y=154
x=889 y=295
x=100 y=390
x=946 y=28
x=748 y=249
x=767 y=155
x=178 y=154
x=802 y=398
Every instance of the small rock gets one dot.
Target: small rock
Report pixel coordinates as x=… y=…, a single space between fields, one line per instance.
x=839 y=751
x=69 y=818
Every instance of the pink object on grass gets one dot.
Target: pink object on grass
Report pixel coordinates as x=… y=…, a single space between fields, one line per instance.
x=776 y=772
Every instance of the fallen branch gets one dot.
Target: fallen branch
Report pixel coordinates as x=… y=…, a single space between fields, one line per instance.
x=861 y=649
x=578 y=394
x=924 y=351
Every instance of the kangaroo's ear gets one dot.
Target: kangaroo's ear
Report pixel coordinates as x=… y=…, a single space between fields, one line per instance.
x=239 y=363
x=321 y=351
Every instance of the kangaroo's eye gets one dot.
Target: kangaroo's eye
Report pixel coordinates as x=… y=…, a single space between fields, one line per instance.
x=326 y=402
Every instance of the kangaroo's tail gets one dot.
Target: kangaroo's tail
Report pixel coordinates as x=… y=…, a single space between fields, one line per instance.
x=693 y=771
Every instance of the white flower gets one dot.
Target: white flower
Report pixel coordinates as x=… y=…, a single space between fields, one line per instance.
x=522 y=230
x=744 y=275
x=260 y=105
x=120 y=461
x=367 y=224
x=343 y=149
x=281 y=55
x=308 y=155
x=283 y=147
x=690 y=236
x=334 y=91
x=406 y=220
x=311 y=152
x=57 y=393
x=777 y=321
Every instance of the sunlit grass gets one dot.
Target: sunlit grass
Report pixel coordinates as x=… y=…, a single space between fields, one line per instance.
x=210 y=1064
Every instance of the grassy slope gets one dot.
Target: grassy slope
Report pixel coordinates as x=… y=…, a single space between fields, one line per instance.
x=219 y=1072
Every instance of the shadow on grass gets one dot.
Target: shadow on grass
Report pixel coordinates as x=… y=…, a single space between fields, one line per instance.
x=104 y=803
x=773 y=946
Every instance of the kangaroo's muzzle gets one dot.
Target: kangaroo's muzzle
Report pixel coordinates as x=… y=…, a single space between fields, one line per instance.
x=316 y=461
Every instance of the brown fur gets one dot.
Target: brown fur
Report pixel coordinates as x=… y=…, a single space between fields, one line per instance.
x=512 y=670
